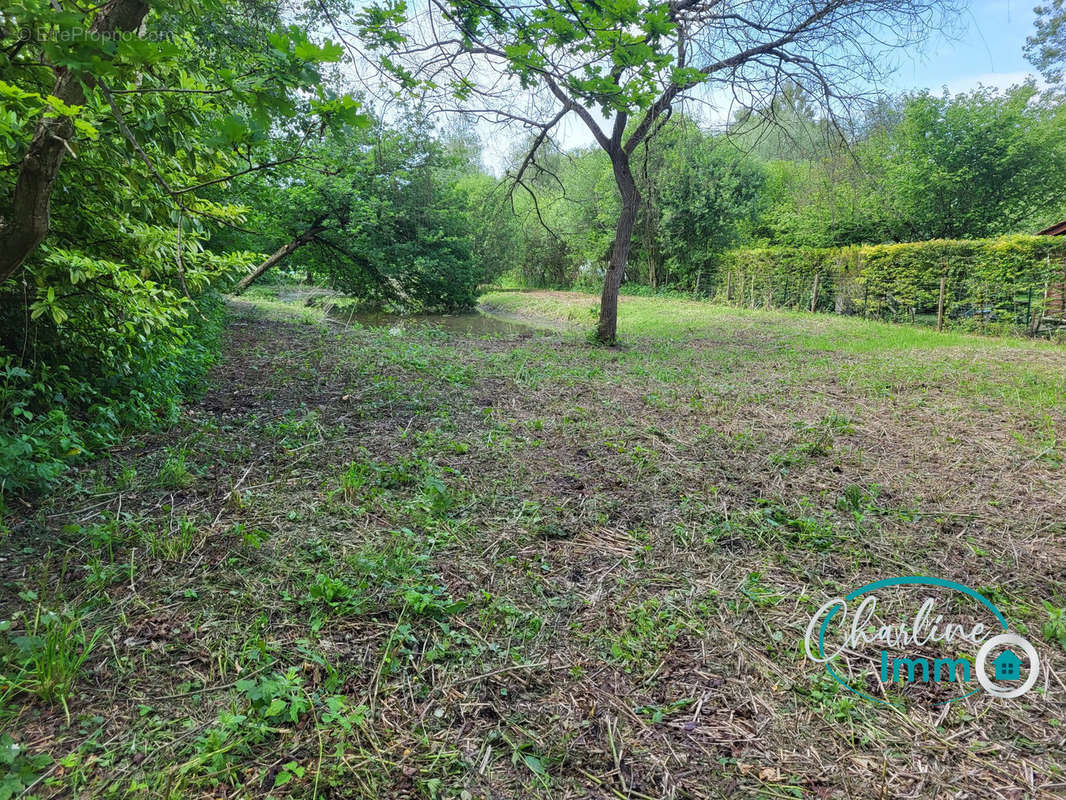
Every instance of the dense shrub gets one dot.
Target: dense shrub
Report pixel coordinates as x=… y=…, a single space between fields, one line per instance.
x=988 y=280
x=55 y=415
x=91 y=348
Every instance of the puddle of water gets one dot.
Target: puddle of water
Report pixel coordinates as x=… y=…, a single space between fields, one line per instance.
x=473 y=324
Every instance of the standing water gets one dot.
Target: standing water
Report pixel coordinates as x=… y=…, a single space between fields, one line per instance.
x=474 y=324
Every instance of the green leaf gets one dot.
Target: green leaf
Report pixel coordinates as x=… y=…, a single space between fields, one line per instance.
x=534 y=764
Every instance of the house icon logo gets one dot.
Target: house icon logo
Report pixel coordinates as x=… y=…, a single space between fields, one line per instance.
x=1007 y=666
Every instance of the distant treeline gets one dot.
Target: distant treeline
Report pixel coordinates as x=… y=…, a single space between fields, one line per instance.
x=919 y=167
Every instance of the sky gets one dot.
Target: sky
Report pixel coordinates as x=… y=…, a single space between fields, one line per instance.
x=988 y=51
x=984 y=48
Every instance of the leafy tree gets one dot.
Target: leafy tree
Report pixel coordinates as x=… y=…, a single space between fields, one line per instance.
x=381 y=213
x=78 y=80
x=838 y=199
x=620 y=66
x=26 y=219
x=494 y=231
x=925 y=166
x=710 y=200
x=119 y=126
x=974 y=165
x=1046 y=48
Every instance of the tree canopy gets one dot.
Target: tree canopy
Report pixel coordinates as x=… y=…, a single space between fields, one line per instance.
x=1046 y=47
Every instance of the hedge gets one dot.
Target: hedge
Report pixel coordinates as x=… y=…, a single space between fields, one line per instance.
x=1003 y=281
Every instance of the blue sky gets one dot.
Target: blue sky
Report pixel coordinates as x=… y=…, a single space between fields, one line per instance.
x=988 y=50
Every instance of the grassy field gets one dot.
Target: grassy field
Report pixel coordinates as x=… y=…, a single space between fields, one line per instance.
x=374 y=564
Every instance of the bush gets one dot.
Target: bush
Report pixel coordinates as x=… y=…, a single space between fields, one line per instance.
x=989 y=282
x=91 y=348
x=57 y=411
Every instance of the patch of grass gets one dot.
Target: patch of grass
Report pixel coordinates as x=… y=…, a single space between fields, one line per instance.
x=831 y=698
x=172 y=542
x=1055 y=628
x=649 y=629
x=296 y=429
x=775 y=524
x=174 y=472
x=888 y=354
x=45 y=652
x=755 y=592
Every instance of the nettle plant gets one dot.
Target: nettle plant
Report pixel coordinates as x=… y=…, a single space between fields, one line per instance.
x=622 y=66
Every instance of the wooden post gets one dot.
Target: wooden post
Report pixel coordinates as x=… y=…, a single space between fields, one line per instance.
x=729 y=287
x=940 y=304
x=1062 y=297
x=814 y=294
x=1038 y=317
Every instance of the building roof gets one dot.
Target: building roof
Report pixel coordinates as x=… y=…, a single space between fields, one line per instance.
x=1007 y=655
x=1058 y=229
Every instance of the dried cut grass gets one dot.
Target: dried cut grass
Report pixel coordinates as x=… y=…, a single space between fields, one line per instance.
x=633 y=620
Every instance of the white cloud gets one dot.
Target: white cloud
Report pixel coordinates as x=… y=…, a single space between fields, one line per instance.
x=998 y=80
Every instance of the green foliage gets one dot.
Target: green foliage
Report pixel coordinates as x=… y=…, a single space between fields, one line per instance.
x=113 y=317
x=44 y=652
x=648 y=630
x=708 y=202
x=336 y=595
x=37 y=440
x=174 y=474
x=700 y=197
x=1055 y=628
x=974 y=165
x=787 y=183
x=988 y=280
x=918 y=167
x=87 y=379
x=394 y=221
x=277 y=698
x=173 y=542
x=18 y=769
x=1046 y=48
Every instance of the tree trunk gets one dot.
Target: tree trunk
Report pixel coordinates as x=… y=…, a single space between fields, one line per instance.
x=315 y=229
x=607 y=329
x=30 y=203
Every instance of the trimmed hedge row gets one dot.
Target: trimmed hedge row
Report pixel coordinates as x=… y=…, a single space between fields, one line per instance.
x=1001 y=281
